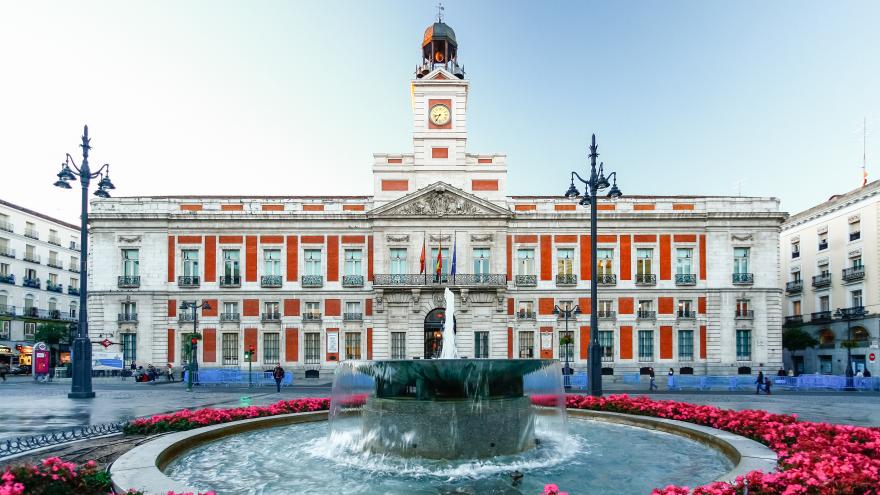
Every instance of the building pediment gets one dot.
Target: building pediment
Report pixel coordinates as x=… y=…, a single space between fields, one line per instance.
x=440 y=200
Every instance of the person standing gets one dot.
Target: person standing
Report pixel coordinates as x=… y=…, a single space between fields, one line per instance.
x=760 y=382
x=278 y=375
x=653 y=384
x=669 y=378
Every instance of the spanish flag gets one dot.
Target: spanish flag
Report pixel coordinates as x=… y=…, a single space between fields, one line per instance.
x=422 y=257
x=440 y=259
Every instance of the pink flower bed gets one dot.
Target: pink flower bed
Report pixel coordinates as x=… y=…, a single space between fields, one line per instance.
x=814 y=458
x=187 y=419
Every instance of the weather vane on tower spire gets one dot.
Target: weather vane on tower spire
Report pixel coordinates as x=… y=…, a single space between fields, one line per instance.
x=440 y=11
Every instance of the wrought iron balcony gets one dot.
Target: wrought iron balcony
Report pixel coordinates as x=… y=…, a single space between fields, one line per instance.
x=569 y=279
x=793 y=321
x=853 y=312
x=526 y=280
x=646 y=279
x=646 y=315
x=686 y=357
x=352 y=316
x=607 y=314
x=56 y=263
x=854 y=273
x=686 y=314
x=685 y=279
x=854 y=236
x=32 y=257
x=54 y=287
x=823 y=245
x=272 y=316
x=128 y=282
x=74 y=245
x=32 y=233
x=606 y=279
x=795 y=254
x=745 y=314
x=270 y=281
x=421 y=280
x=127 y=318
x=7 y=226
x=525 y=315
x=30 y=311
x=185 y=316
x=188 y=281
x=74 y=267
x=54 y=239
x=820 y=316
x=73 y=291
x=9 y=253
x=33 y=283
x=352 y=280
x=822 y=280
x=230 y=316
x=312 y=316
x=230 y=281
x=743 y=278
x=794 y=286
x=7 y=310
x=312 y=281
x=8 y=278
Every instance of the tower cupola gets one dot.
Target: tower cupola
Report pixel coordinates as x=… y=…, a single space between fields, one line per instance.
x=439 y=49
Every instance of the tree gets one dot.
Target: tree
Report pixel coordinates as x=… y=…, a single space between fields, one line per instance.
x=796 y=339
x=52 y=334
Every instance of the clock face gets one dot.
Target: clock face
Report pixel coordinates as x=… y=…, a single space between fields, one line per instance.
x=439 y=114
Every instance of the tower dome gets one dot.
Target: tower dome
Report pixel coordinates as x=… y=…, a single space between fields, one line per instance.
x=439 y=49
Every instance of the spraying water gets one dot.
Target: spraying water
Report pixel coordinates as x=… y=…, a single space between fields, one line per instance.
x=449 y=350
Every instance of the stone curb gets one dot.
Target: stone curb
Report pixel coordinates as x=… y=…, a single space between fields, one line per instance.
x=142 y=467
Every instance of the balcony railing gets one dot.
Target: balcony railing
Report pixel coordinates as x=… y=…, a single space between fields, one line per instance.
x=312 y=316
x=54 y=287
x=646 y=279
x=823 y=245
x=568 y=279
x=9 y=253
x=743 y=278
x=352 y=316
x=461 y=279
x=230 y=281
x=606 y=279
x=74 y=245
x=794 y=286
x=32 y=257
x=686 y=357
x=525 y=315
x=793 y=321
x=7 y=226
x=55 y=264
x=230 y=316
x=73 y=291
x=54 y=239
x=853 y=312
x=73 y=267
x=352 y=280
x=188 y=281
x=128 y=282
x=686 y=314
x=820 y=316
x=127 y=317
x=271 y=316
x=854 y=236
x=312 y=281
x=32 y=233
x=607 y=314
x=854 y=273
x=746 y=314
x=795 y=254
x=270 y=281
x=7 y=310
x=8 y=278
x=685 y=279
x=646 y=315
x=33 y=283
x=822 y=280
x=47 y=314
x=526 y=280
x=185 y=316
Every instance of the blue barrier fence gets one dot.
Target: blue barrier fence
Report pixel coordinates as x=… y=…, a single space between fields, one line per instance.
x=743 y=382
x=229 y=377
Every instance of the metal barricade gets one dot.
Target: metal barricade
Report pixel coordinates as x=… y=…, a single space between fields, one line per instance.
x=680 y=382
x=575 y=381
x=632 y=379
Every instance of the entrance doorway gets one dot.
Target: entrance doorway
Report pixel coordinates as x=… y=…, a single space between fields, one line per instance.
x=434 y=332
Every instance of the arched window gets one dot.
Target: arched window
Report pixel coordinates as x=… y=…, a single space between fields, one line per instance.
x=860 y=334
x=73 y=306
x=53 y=304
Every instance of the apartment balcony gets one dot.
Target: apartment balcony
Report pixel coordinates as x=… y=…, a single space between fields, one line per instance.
x=74 y=246
x=128 y=282
x=852 y=313
x=271 y=316
x=854 y=236
x=820 y=317
x=32 y=233
x=646 y=315
x=31 y=257
x=743 y=278
x=793 y=321
x=312 y=281
x=33 y=283
x=270 y=281
x=316 y=317
x=7 y=310
x=823 y=245
x=525 y=315
x=54 y=239
x=353 y=316
x=234 y=317
x=646 y=279
x=526 y=280
x=795 y=255
x=189 y=281
x=568 y=279
x=685 y=279
x=9 y=253
x=489 y=280
x=745 y=314
x=55 y=264
x=7 y=226
x=823 y=280
x=73 y=267
x=230 y=281
x=46 y=314
x=127 y=318
x=352 y=280
x=54 y=287
x=686 y=314
x=8 y=278
x=607 y=315
x=73 y=291
x=606 y=279
x=794 y=286
x=853 y=274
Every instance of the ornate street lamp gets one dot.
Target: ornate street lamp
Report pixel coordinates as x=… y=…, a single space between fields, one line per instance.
x=597 y=182
x=81 y=385
x=194 y=339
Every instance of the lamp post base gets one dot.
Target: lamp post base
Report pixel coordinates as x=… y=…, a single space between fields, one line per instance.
x=80 y=395
x=81 y=384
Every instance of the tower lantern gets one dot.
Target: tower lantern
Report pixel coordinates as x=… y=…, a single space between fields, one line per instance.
x=439 y=49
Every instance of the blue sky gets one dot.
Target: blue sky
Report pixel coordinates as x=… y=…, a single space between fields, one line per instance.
x=281 y=97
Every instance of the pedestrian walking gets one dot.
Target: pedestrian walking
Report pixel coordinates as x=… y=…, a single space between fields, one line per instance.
x=767 y=383
x=169 y=372
x=670 y=379
x=760 y=382
x=278 y=375
x=867 y=373
x=653 y=384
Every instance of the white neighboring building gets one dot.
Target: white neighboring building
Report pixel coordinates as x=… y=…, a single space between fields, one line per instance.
x=39 y=277
x=831 y=276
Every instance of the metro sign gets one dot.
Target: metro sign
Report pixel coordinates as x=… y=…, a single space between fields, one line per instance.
x=106 y=343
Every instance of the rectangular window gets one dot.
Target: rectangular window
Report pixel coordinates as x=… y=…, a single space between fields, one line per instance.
x=566 y=351
x=30 y=328
x=481 y=261
x=824 y=303
x=646 y=305
x=130 y=262
x=398 y=261
x=855 y=230
x=606 y=308
x=353 y=262
x=398 y=345
x=312 y=349
x=644 y=261
x=129 y=349
x=271 y=348
x=525 y=261
x=823 y=269
x=5 y=326
x=526 y=345
x=742 y=307
x=129 y=311
x=606 y=341
x=352 y=345
x=230 y=349
x=313 y=262
x=272 y=262
x=823 y=241
x=743 y=345
x=53 y=278
x=795 y=308
x=231 y=264
x=526 y=309
x=740 y=260
x=4 y=268
x=53 y=259
x=432 y=263
x=796 y=276
x=313 y=308
x=683 y=260
x=685 y=307
x=685 y=345
x=30 y=252
x=646 y=345
x=605 y=262
x=565 y=261
x=481 y=345
x=856 y=262
x=796 y=249
x=52 y=305
x=855 y=298
x=271 y=308
x=4 y=246
x=190 y=262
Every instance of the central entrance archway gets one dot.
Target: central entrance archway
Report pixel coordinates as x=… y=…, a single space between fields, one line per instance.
x=434 y=332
